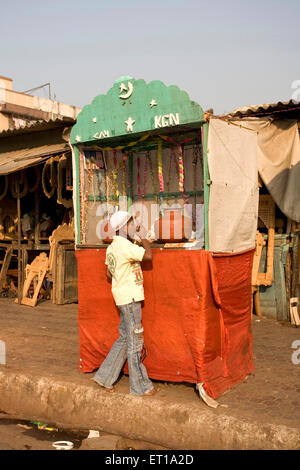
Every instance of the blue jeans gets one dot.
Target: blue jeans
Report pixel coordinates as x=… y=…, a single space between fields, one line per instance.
x=129 y=346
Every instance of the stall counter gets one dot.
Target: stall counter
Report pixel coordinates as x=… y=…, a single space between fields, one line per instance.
x=196 y=316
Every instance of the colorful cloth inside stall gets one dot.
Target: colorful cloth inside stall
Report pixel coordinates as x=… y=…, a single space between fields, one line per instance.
x=196 y=316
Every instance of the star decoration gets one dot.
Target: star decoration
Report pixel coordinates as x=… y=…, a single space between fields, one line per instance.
x=129 y=123
x=123 y=87
x=153 y=103
x=77 y=138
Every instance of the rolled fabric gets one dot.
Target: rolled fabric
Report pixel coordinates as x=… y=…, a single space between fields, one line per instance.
x=181 y=169
x=160 y=167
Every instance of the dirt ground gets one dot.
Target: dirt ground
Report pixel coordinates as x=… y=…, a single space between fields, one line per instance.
x=44 y=341
x=23 y=435
x=17 y=434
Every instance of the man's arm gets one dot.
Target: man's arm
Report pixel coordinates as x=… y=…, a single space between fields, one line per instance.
x=108 y=274
x=141 y=233
x=148 y=253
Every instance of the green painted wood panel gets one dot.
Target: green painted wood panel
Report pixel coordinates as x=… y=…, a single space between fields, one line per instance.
x=132 y=107
x=206 y=185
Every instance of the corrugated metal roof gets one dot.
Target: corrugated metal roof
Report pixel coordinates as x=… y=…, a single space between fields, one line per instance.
x=19 y=159
x=21 y=148
x=266 y=109
x=40 y=125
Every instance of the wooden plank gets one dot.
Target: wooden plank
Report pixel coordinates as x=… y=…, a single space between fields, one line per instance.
x=259 y=243
x=282 y=307
x=270 y=254
x=66 y=291
x=60 y=275
x=257 y=302
x=71 y=279
x=5 y=266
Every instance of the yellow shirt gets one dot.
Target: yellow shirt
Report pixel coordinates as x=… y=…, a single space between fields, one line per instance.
x=123 y=260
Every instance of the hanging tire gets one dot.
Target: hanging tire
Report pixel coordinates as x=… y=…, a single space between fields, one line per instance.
x=62 y=182
x=49 y=178
x=4 y=182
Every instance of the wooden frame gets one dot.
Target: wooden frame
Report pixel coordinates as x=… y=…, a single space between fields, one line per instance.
x=35 y=272
x=62 y=232
x=64 y=163
x=267 y=214
x=45 y=267
x=5 y=265
x=61 y=281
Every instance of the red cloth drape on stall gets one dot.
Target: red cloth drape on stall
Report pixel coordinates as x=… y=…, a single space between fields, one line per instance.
x=196 y=316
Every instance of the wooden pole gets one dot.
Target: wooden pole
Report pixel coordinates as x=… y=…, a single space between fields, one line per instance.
x=270 y=254
x=37 y=196
x=295 y=282
x=206 y=184
x=76 y=193
x=19 y=252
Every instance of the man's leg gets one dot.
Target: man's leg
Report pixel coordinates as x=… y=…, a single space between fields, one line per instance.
x=111 y=367
x=140 y=384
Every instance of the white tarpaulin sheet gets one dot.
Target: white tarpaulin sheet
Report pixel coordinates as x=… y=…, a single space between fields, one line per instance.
x=278 y=160
x=233 y=201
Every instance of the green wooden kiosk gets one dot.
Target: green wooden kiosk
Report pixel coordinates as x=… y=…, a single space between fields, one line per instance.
x=142 y=147
x=136 y=117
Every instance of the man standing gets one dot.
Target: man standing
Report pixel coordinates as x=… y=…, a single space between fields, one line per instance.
x=123 y=268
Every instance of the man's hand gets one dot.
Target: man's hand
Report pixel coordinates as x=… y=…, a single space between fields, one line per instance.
x=136 y=231
x=141 y=232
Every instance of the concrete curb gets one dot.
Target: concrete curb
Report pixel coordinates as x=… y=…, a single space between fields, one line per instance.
x=176 y=426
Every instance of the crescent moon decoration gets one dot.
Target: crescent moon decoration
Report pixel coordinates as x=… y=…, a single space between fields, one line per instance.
x=129 y=92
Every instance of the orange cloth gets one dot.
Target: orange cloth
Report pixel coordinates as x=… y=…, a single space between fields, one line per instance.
x=188 y=337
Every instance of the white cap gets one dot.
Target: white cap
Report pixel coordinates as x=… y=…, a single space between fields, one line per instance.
x=119 y=219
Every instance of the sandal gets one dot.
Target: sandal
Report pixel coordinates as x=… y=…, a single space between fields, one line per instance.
x=152 y=392
x=109 y=390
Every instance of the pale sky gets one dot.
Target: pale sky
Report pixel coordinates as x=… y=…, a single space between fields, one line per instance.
x=225 y=54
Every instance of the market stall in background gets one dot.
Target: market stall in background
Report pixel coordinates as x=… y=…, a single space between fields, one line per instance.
x=145 y=148
x=36 y=213
x=276 y=274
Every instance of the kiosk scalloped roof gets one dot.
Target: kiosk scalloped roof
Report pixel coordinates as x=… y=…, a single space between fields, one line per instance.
x=132 y=107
